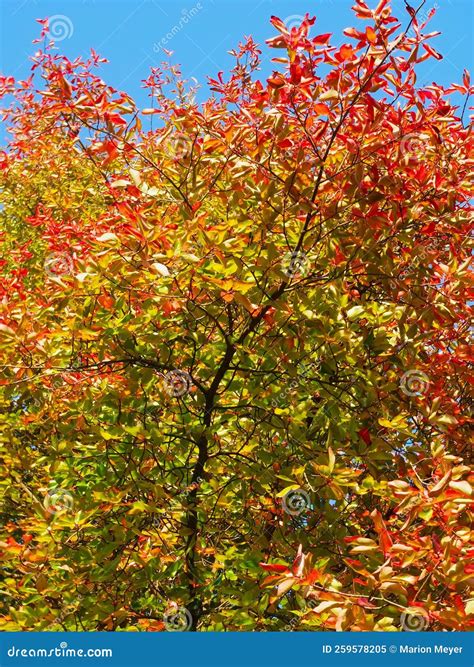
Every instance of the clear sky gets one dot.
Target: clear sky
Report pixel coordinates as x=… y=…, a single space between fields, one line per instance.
x=129 y=33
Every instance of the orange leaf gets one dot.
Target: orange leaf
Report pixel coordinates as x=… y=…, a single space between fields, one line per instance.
x=371 y=35
x=321 y=108
x=381 y=529
x=106 y=301
x=227 y=296
x=346 y=52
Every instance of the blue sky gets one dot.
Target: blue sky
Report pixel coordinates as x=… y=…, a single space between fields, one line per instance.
x=129 y=33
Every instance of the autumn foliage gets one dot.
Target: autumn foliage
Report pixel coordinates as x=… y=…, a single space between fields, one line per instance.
x=235 y=365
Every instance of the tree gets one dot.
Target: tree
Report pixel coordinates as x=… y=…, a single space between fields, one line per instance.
x=235 y=342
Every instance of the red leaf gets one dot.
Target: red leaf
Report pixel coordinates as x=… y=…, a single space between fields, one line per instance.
x=279 y=25
x=365 y=435
x=274 y=567
x=429 y=228
x=362 y=582
x=350 y=538
x=298 y=563
x=459 y=604
x=361 y=10
x=380 y=7
x=466 y=78
x=313 y=576
x=276 y=81
x=339 y=256
x=432 y=52
x=277 y=42
x=363 y=602
x=352 y=32
x=353 y=561
x=322 y=39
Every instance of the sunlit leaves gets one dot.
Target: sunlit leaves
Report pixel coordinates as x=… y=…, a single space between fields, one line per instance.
x=235 y=343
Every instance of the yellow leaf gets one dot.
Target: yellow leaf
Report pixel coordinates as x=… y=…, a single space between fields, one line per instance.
x=332 y=459
x=398 y=422
x=107 y=236
x=286 y=585
x=6 y=330
x=106 y=435
x=462 y=487
x=87 y=334
x=363 y=549
x=329 y=95
x=159 y=269
x=337 y=491
x=287 y=489
x=244 y=301
x=327 y=604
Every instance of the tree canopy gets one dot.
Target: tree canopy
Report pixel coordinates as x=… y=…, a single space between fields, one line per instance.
x=235 y=342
